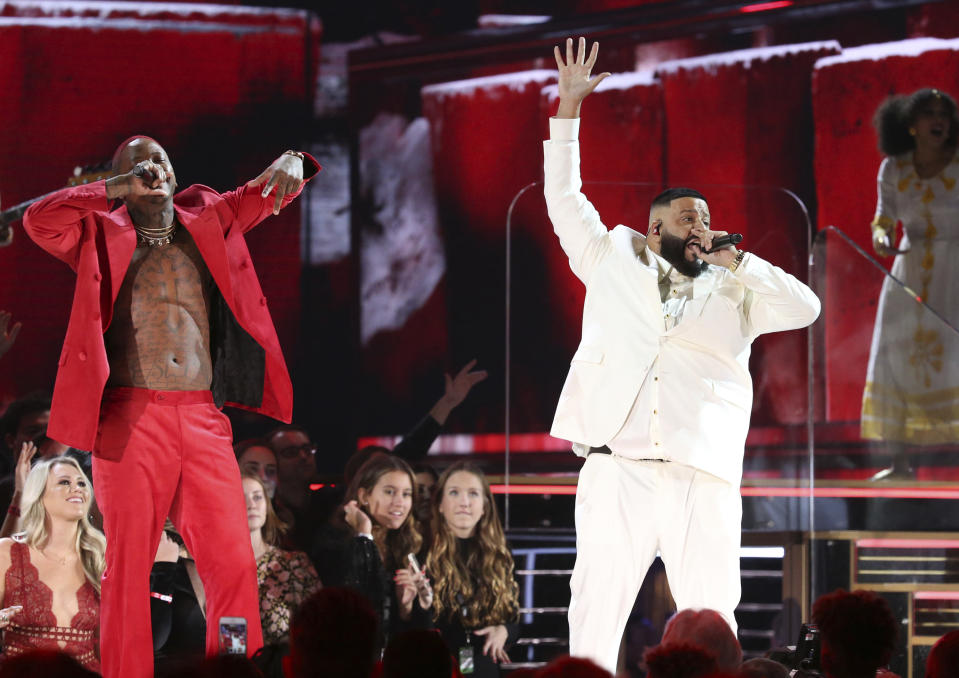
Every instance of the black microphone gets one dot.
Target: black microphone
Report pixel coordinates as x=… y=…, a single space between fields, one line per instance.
x=725 y=241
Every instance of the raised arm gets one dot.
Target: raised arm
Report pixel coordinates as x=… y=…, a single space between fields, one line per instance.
x=284 y=178
x=581 y=233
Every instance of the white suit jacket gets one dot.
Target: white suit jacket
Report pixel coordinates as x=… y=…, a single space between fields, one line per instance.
x=700 y=366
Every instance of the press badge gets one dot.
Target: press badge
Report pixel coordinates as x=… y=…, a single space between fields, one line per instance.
x=466 y=660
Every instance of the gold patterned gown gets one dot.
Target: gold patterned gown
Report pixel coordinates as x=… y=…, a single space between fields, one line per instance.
x=912 y=384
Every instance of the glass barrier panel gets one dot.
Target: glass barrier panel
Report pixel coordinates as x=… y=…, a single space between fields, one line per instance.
x=886 y=381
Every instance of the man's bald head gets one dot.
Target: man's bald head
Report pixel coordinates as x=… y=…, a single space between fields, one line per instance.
x=123 y=157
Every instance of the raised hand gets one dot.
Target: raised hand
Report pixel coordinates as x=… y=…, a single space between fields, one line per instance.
x=356 y=518
x=27 y=452
x=574 y=77
x=8 y=334
x=457 y=388
x=285 y=174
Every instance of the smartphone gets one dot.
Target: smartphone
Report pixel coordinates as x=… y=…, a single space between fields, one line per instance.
x=414 y=563
x=232 y=635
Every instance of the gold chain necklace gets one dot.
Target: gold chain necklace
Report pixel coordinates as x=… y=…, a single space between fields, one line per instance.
x=156 y=237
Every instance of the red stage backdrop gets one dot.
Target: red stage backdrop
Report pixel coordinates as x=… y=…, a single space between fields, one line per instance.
x=739 y=128
x=847 y=90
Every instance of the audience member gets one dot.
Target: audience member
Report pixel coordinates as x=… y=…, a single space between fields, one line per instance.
x=572 y=667
x=51 y=570
x=24 y=420
x=680 y=660
x=285 y=578
x=707 y=630
x=255 y=457
x=299 y=508
x=760 y=667
x=943 y=659
x=44 y=664
x=857 y=631
x=177 y=606
x=334 y=633
x=371 y=538
x=476 y=601
x=426 y=478
x=417 y=653
x=222 y=666
x=416 y=444
x=8 y=334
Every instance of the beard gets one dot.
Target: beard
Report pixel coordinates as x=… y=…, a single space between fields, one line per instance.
x=673 y=250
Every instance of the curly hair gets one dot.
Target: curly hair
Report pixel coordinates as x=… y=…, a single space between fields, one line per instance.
x=394 y=545
x=898 y=113
x=485 y=578
x=90 y=542
x=679 y=661
x=274 y=528
x=858 y=632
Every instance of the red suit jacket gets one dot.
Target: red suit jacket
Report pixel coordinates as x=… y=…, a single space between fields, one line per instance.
x=77 y=226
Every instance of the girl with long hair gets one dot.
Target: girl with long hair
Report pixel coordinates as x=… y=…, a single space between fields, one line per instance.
x=285 y=578
x=912 y=361
x=51 y=569
x=367 y=547
x=476 y=599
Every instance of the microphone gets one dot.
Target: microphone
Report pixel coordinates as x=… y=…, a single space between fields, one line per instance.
x=143 y=173
x=725 y=241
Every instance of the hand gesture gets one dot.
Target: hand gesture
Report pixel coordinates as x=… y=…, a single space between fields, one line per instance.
x=27 y=452
x=574 y=81
x=285 y=174
x=168 y=551
x=8 y=334
x=723 y=257
x=458 y=387
x=357 y=518
x=7 y=614
x=495 y=644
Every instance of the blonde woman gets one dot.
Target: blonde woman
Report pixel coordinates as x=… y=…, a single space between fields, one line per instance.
x=476 y=599
x=50 y=584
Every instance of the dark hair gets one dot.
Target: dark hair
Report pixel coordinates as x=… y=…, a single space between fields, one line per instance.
x=760 y=667
x=858 y=632
x=38 y=401
x=670 y=194
x=944 y=657
x=572 y=667
x=679 y=661
x=706 y=629
x=417 y=653
x=40 y=663
x=358 y=458
x=241 y=447
x=333 y=634
x=284 y=428
x=898 y=113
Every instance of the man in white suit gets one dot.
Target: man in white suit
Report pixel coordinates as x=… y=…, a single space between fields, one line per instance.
x=659 y=393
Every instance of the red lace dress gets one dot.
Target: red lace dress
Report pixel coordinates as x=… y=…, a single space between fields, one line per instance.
x=35 y=626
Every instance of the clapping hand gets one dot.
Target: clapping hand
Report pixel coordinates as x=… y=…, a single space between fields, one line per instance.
x=24 y=463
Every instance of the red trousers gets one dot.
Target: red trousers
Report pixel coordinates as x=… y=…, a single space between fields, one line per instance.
x=159 y=454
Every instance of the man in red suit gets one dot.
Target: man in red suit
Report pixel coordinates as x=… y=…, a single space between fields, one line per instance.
x=168 y=324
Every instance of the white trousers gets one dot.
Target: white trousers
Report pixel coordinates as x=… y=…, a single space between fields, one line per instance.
x=628 y=510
